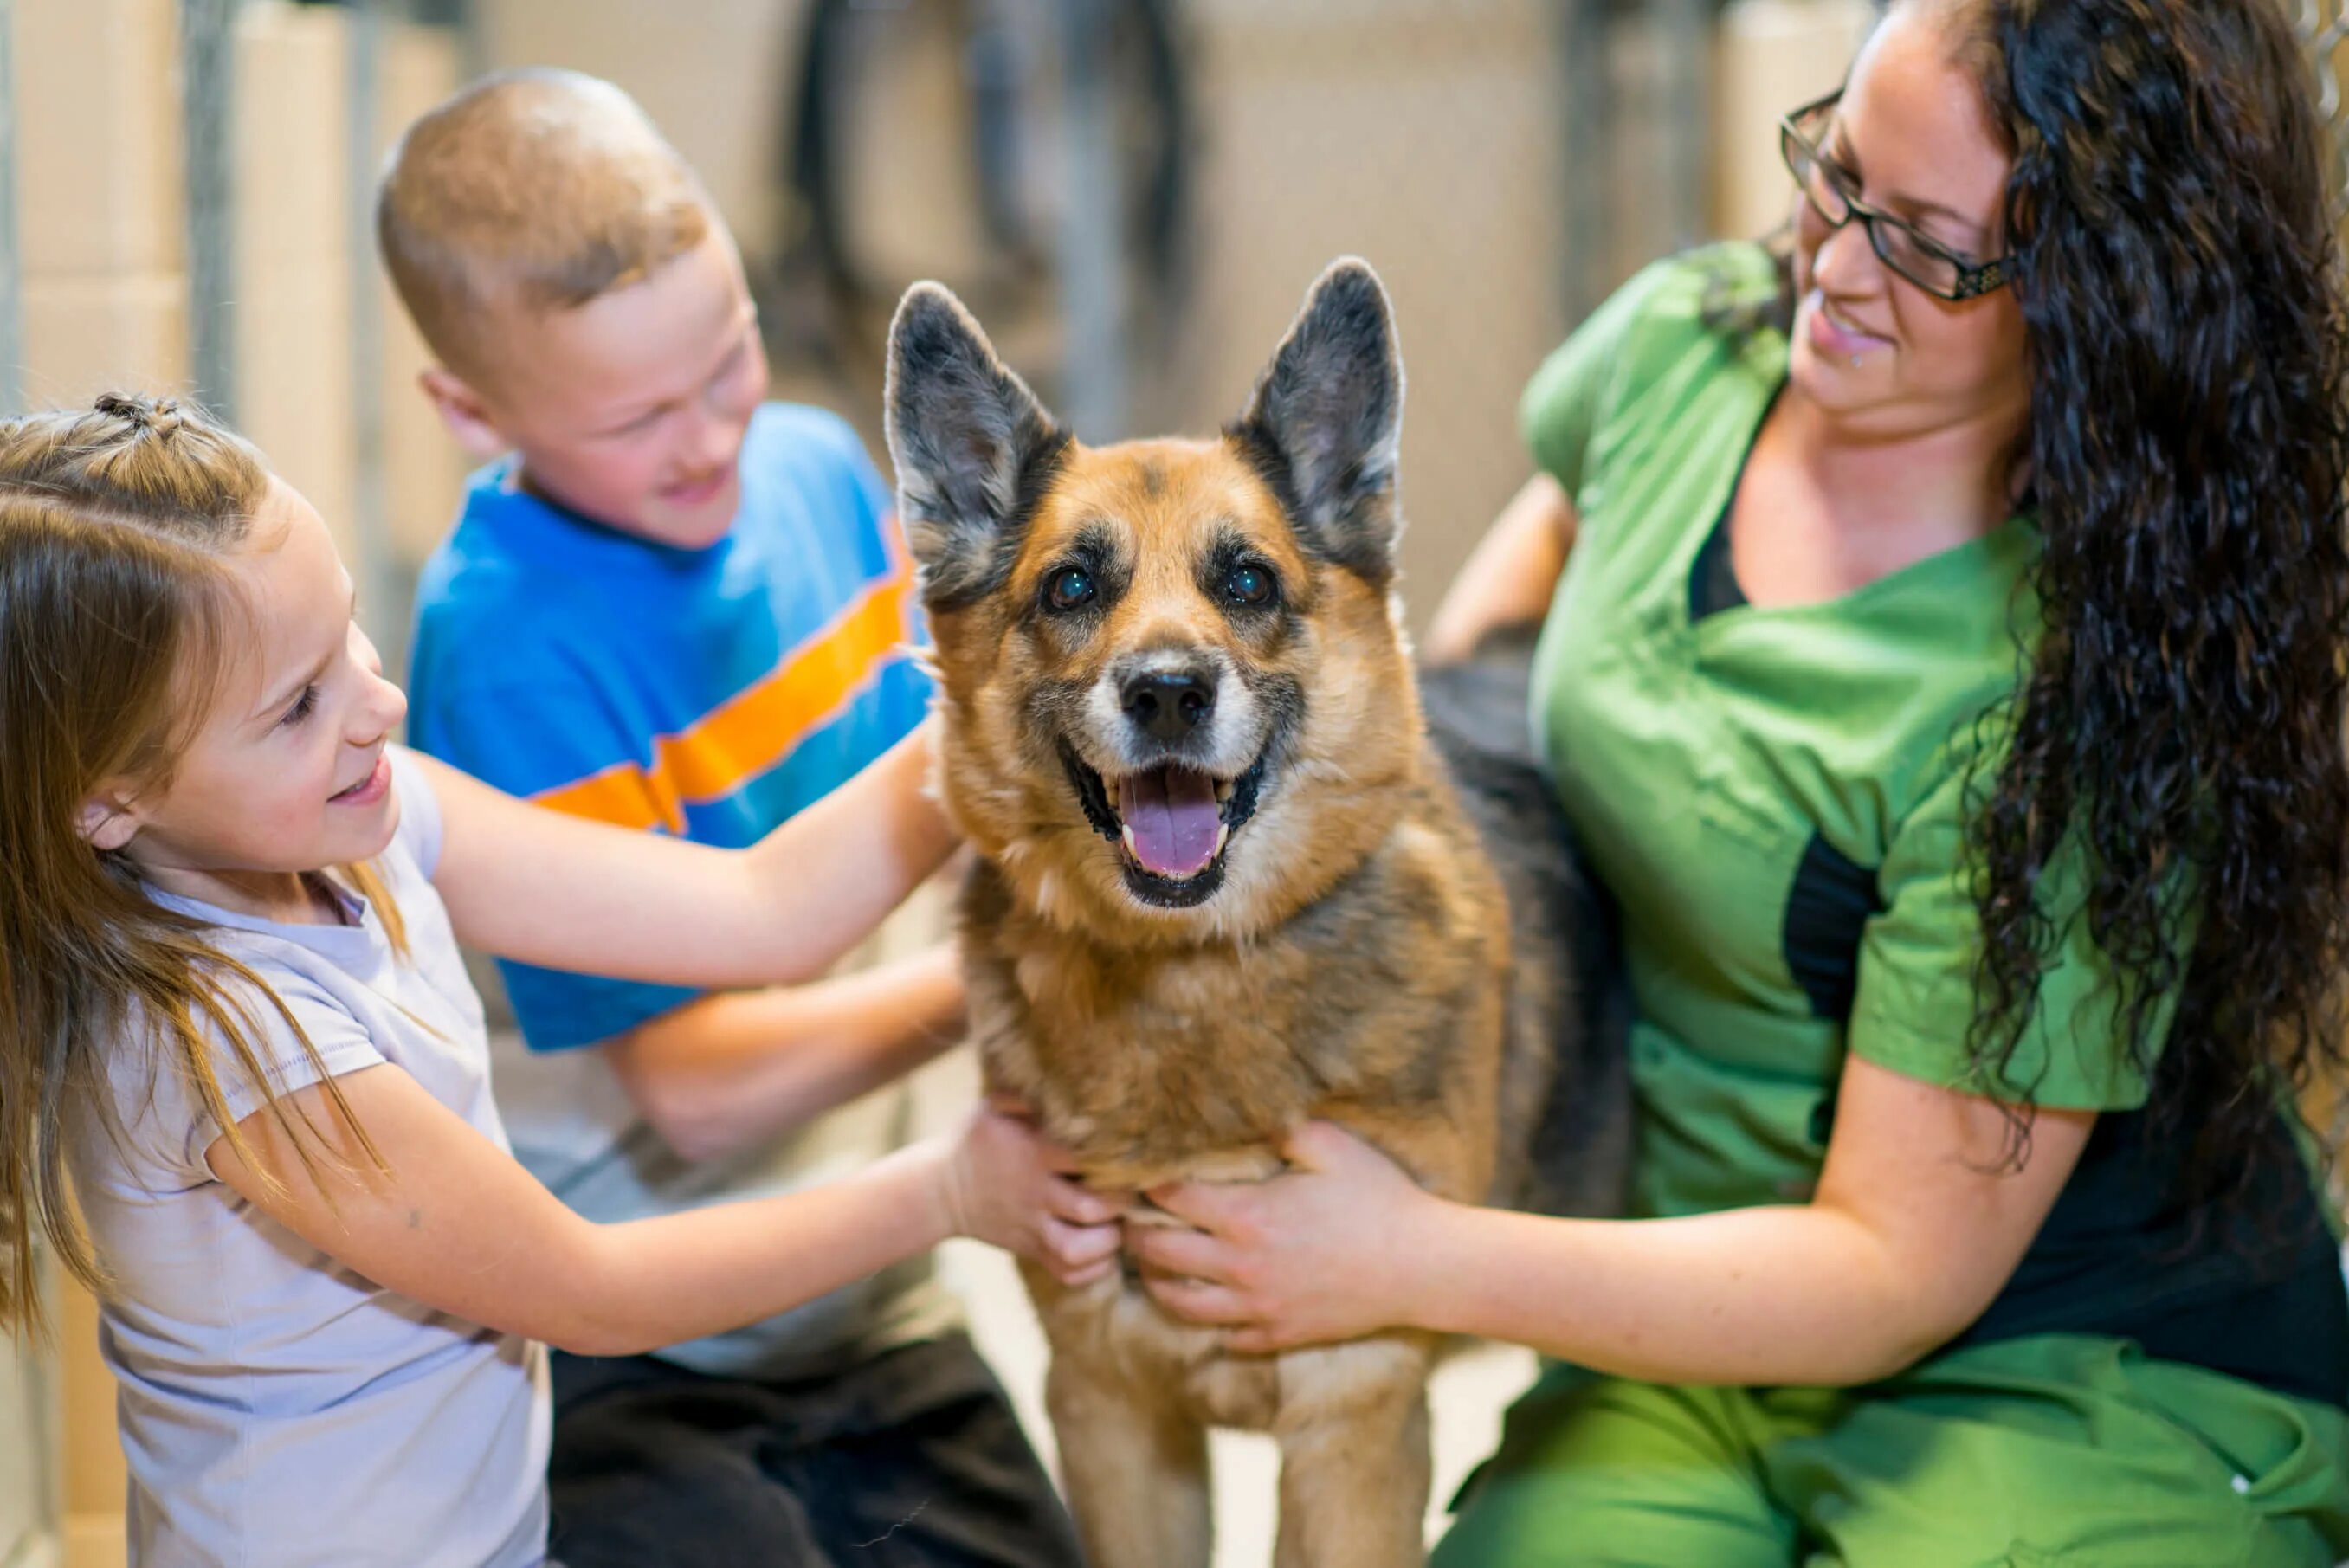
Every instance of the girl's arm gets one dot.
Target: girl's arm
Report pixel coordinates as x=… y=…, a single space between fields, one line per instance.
x=457 y=1225
x=529 y=884
x=736 y=1067
x=1511 y=576
x=1916 y=1226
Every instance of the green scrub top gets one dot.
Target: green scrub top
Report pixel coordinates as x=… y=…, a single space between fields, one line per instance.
x=1777 y=798
x=1776 y=795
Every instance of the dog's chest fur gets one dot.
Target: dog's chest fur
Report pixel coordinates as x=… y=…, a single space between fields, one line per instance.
x=1378 y=1000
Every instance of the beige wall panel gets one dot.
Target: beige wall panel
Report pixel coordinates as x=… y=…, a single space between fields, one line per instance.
x=98 y=162
x=289 y=146
x=293 y=385
x=1427 y=145
x=1774 y=56
x=95 y=1540
x=424 y=470
x=292 y=339
x=84 y=336
x=94 y=1469
x=712 y=73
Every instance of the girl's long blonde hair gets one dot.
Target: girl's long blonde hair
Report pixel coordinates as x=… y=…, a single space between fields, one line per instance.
x=118 y=613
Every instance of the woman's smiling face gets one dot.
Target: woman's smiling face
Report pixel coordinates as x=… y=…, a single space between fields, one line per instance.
x=1912 y=139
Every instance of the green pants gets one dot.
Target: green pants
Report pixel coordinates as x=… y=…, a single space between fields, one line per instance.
x=2064 y=1449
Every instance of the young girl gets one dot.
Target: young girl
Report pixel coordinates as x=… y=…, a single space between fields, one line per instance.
x=231 y=1003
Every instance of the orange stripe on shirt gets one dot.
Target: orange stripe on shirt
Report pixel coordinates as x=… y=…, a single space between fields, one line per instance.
x=622 y=794
x=752 y=730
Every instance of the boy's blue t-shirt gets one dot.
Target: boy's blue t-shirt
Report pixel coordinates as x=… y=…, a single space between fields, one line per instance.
x=708 y=694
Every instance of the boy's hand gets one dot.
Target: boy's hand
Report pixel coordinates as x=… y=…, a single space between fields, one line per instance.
x=1002 y=1182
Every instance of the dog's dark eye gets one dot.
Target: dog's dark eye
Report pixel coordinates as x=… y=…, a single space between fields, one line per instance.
x=1250 y=585
x=1068 y=588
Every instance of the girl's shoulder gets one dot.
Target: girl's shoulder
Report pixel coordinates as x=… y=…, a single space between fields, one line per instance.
x=263 y=1025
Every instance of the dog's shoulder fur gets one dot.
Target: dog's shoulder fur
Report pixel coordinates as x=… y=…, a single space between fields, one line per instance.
x=1147 y=1063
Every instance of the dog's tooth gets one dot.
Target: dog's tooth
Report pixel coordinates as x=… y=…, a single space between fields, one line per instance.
x=1127 y=834
x=1223 y=790
x=1223 y=836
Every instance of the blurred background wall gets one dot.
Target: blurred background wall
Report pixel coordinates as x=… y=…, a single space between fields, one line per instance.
x=1501 y=162
x=1133 y=196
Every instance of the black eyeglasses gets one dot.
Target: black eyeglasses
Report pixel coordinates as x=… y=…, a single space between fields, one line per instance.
x=1930 y=265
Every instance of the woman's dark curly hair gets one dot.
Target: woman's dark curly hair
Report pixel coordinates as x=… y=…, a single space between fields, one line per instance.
x=2182 y=713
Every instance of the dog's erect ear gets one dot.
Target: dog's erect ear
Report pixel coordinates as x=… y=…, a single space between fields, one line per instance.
x=1325 y=425
x=972 y=447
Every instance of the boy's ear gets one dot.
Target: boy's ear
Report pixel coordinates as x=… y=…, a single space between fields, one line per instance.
x=107 y=820
x=1325 y=424
x=972 y=446
x=463 y=412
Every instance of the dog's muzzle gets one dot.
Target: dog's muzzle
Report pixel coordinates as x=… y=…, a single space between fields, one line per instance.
x=1172 y=822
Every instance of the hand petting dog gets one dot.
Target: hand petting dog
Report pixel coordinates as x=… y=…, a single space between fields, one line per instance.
x=1006 y=1183
x=1328 y=1250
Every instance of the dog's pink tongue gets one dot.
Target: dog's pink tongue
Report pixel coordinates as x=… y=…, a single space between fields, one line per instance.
x=1173 y=814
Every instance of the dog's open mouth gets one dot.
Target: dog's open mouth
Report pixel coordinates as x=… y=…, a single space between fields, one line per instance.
x=1172 y=822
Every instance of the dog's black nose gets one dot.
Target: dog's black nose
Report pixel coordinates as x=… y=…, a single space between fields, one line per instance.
x=1168 y=704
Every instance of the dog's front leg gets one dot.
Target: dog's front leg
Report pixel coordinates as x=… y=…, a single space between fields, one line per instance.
x=1354 y=1458
x=1135 y=1466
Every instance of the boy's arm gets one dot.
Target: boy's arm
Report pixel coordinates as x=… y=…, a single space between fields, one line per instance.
x=737 y=1068
x=525 y=882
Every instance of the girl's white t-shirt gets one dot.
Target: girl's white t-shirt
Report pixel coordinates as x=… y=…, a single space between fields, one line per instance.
x=277 y=1409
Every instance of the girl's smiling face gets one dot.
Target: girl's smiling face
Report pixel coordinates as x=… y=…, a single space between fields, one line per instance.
x=287 y=772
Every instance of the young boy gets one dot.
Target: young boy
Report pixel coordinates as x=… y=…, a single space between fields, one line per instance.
x=670 y=605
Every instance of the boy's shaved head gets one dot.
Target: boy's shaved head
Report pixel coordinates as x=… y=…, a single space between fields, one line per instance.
x=533 y=189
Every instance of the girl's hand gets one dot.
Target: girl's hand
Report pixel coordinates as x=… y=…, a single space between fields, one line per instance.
x=1321 y=1253
x=523 y=882
x=1003 y=1184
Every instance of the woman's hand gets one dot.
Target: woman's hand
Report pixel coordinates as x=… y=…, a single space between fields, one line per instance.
x=1917 y=1223
x=1005 y=1185
x=1323 y=1251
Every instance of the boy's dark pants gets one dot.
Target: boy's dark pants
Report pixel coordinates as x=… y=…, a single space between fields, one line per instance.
x=913 y=1460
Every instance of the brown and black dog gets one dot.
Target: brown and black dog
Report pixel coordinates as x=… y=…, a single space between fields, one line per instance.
x=1227 y=882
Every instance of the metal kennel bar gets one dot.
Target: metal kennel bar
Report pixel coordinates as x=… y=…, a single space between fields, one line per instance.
x=385 y=584
x=207 y=63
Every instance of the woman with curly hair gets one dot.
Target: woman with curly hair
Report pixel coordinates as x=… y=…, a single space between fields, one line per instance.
x=1943 y=661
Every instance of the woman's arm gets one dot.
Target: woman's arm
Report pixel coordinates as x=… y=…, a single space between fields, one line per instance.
x=1916 y=1226
x=1512 y=574
x=533 y=884
x=457 y=1225
x=736 y=1067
